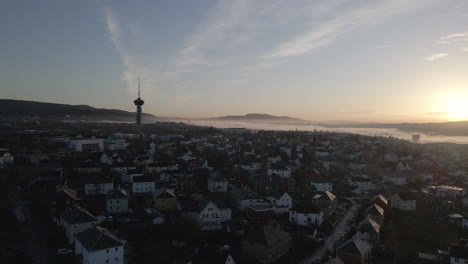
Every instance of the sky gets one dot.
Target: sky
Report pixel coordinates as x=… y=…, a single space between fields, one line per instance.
x=335 y=60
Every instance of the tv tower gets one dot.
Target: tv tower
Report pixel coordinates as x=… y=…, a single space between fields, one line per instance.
x=138 y=102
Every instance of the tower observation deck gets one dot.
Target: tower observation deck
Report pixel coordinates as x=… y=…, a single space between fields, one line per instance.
x=138 y=102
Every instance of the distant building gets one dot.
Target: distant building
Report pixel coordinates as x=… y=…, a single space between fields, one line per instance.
x=115 y=144
x=86 y=145
x=416 y=138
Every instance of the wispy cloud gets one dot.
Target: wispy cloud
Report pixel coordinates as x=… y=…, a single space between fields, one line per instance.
x=218 y=30
x=436 y=56
x=343 y=23
x=115 y=34
x=455 y=36
x=465 y=49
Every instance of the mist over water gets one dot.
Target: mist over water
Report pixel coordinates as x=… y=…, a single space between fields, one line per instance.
x=384 y=132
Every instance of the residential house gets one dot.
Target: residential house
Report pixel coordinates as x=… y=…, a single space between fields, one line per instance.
x=98 y=185
x=165 y=200
x=243 y=198
x=395 y=178
x=260 y=183
x=117 y=201
x=217 y=184
x=368 y=230
x=143 y=184
x=98 y=245
x=281 y=202
x=404 y=201
x=355 y=251
x=279 y=169
x=322 y=185
x=206 y=213
x=266 y=245
x=376 y=213
x=76 y=220
x=307 y=214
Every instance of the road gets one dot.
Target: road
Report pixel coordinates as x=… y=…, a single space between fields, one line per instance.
x=36 y=240
x=338 y=233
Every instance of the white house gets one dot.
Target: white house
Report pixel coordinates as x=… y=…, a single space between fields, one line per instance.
x=282 y=202
x=279 y=170
x=106 y=159
x=117 y=202
x=403 y=167
x=143 y=184
x=244 y=199
x=322 y=185
x=161 y=167
x=98 y=186
x=396 y=179
x=250 y=167
x=217 y=184
x=6 y=158
x=76 y=220
x=302 y=215
x=206 y=213
x=97 y=245
x=403 y=201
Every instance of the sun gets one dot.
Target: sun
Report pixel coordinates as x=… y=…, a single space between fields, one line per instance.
x=457 y=108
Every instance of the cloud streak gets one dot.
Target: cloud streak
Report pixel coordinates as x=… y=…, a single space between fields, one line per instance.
x=343 y=23
x=435 y=57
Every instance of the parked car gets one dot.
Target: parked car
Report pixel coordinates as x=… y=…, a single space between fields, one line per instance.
x=64 y=251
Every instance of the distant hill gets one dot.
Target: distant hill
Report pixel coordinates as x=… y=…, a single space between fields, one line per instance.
x=20 y=108
x=263 y=118
x=455 y=128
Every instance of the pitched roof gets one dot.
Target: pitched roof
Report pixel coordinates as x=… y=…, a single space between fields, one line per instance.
x=164 y=194
x=356 y=247
x=405 y=196
x=97 y=238
x=375 y=210
x=369 y=226
x=78 y=215
x=266 y=236
x=380 y=200
x=458 y=251
x=117 y=194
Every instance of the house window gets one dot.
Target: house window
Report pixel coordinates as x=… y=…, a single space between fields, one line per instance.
x=107 y=261
x=107 y=251
x=116 y=259
x=116 y=249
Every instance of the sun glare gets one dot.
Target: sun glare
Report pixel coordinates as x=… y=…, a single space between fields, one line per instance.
x=457 y=108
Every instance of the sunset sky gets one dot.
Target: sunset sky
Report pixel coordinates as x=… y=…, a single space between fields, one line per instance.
x=350 y=60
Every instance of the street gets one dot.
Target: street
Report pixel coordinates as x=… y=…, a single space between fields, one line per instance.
x=338 y=233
